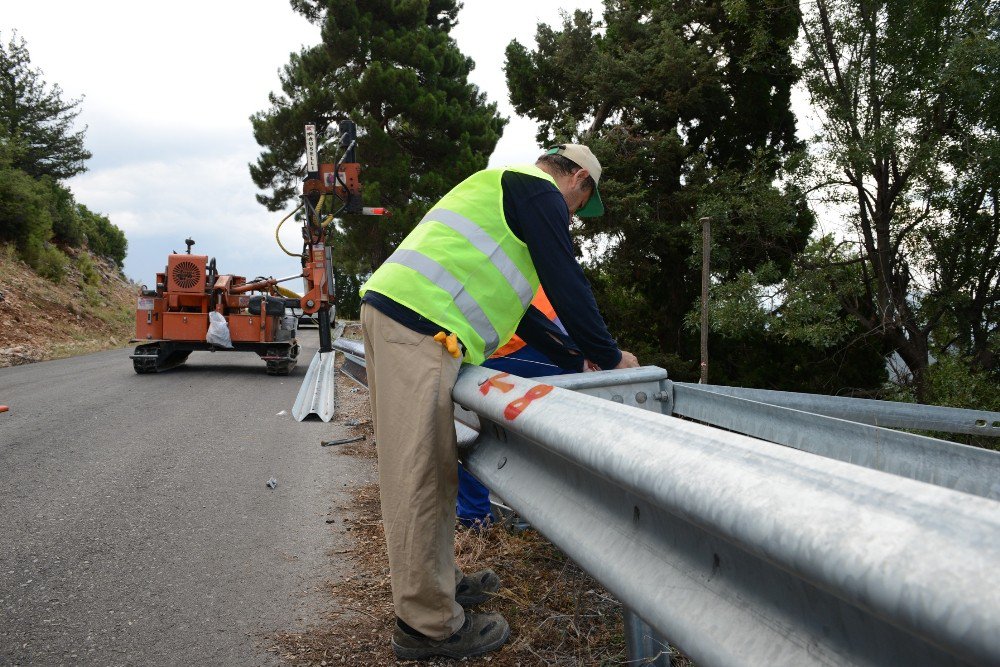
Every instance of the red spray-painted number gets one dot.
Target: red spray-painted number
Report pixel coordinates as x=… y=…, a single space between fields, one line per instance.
x=495 y=381
x=517 y=406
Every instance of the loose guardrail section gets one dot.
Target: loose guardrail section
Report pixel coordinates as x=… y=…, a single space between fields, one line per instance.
x=844 y=544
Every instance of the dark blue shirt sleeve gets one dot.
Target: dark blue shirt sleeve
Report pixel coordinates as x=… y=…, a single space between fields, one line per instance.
x=541 y=333
x=537 y=214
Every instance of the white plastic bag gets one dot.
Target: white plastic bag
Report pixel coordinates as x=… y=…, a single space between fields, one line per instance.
x=218 y=331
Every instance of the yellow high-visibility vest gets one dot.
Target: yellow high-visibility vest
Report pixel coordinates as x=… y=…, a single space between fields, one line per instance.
x=463 y=268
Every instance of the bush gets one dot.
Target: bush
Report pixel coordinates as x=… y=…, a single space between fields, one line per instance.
x=348 y=300
x=87 y=269
x=954 y=382
x=36 y=210
x=103 y=238
x=25 y=218
x=46 y=259
x=67 y=226
x=92 y=296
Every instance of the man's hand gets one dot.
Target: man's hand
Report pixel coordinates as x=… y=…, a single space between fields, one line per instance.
x=628 y=361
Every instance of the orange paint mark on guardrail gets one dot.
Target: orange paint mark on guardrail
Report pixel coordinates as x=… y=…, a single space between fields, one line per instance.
x=517 y=406
x=495 y=381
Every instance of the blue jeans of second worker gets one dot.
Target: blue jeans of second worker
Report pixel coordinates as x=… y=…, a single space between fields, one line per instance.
x=473 y=506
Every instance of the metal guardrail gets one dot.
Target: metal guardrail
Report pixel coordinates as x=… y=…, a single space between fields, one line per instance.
x=354 y=359
x=837 y=543
x=742 y=551
x=868 y=411
x=952 y=465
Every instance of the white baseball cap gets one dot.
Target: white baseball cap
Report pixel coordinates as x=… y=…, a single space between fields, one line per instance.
x=583 y=156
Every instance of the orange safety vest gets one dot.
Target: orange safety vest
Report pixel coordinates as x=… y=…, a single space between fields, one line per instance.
x=541 y=302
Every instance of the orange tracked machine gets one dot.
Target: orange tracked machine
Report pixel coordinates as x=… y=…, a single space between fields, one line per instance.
x=173 y=320
x=192 y=303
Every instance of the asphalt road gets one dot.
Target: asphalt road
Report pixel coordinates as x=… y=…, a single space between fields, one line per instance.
x=136 y=527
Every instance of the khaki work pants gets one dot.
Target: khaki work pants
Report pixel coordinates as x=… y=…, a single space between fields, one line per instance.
x=410 y=377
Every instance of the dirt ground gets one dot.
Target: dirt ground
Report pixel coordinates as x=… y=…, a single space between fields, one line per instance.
x=558 y=614
x=91 y=309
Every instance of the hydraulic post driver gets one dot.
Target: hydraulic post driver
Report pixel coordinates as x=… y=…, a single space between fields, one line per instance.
x=325 y=183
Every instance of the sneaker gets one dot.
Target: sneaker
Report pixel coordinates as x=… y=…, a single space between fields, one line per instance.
x=481 y=633
x=477 y=588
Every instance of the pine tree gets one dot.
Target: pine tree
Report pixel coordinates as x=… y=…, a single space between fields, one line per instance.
x=393 y=68
x=35 y=122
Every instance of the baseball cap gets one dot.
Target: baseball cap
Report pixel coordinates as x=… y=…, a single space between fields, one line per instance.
x=582 y=156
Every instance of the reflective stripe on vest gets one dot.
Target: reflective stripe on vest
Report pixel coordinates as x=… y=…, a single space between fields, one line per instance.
x=485 y=244
x=440 y=276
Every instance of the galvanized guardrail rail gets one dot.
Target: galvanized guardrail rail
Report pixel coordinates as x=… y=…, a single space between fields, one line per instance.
x=817 y=541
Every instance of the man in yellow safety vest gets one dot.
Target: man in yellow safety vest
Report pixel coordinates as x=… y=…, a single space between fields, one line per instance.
x=465 y=278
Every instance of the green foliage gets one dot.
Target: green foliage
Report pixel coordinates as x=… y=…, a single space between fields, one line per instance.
x=92 y=296
x=908 y=145
x=25 y=217
x=37 y=149
x=46 y=259
x=35 y=211
x=960 y=249
x=856 y=366
x=799 y=306
x=348 y=298
x=686 y=104
x=103 y=238
x=393 y=68
x=65 y=218
x=87 y=270
x=954 y=381
x=34 y=119
x=789 y=331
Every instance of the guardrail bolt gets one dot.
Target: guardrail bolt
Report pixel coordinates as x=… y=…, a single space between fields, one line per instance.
x=640 y=397
x=661 y=396
x=617 y=398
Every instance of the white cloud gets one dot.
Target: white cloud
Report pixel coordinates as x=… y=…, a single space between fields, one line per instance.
x=169 y=88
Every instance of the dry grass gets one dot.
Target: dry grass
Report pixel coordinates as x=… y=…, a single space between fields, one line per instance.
x=558 y=614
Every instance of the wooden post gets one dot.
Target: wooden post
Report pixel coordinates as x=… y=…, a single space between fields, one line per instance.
x=706 y=263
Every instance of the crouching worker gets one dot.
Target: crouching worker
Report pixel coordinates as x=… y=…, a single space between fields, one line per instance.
x=549 y=352
x=454 y=291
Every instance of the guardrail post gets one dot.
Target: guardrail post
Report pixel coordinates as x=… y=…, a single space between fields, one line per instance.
x=642 y=645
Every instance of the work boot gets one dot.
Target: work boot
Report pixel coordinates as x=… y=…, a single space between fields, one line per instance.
x=477 y=588
x=481 y=633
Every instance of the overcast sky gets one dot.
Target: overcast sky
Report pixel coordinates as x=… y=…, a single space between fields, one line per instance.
x=168 y=90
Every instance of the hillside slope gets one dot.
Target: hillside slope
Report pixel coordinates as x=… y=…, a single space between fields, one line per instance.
x=92 y=308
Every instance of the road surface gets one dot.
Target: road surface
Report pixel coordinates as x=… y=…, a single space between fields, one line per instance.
x=136 y=527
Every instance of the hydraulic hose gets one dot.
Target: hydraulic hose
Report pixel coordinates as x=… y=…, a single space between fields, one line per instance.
x=278 y=238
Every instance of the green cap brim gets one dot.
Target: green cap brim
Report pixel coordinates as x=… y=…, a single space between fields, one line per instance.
x=593 y=208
